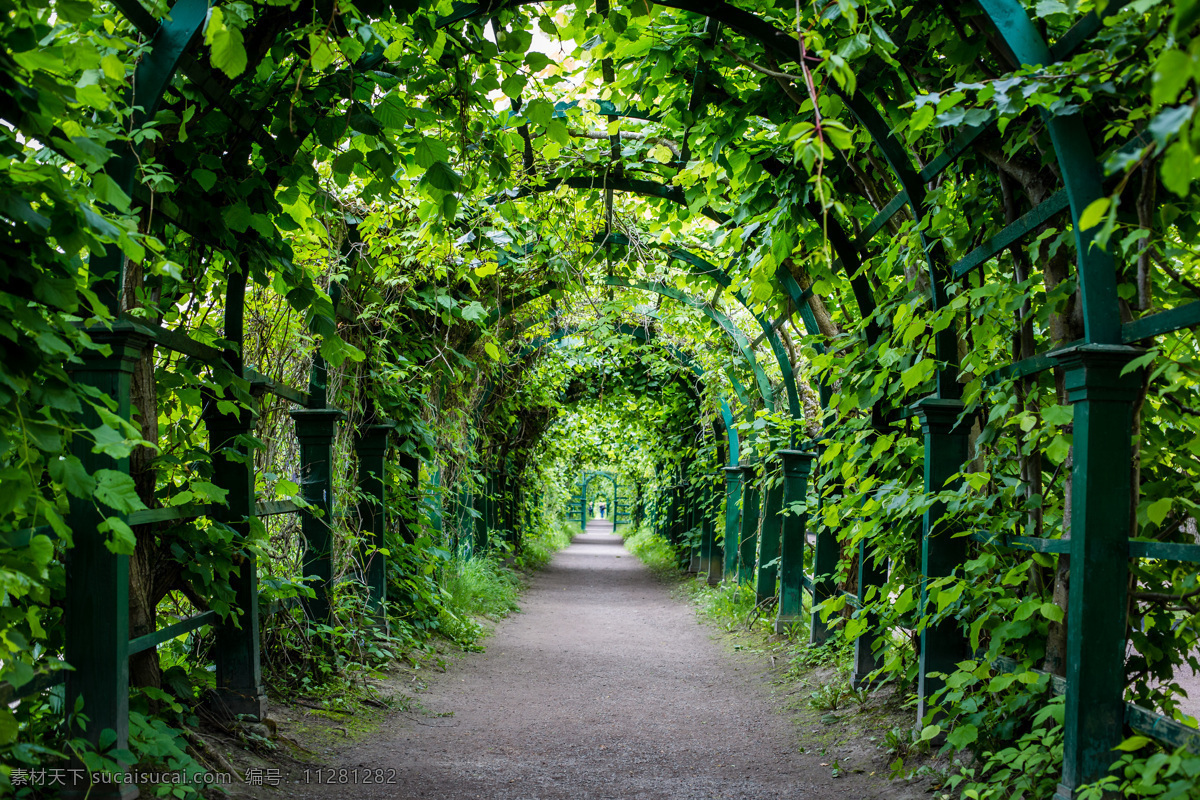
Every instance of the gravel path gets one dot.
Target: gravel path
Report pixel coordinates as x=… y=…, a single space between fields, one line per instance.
x=603 y=687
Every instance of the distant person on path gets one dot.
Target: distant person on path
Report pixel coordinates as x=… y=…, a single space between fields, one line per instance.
x=603 y=508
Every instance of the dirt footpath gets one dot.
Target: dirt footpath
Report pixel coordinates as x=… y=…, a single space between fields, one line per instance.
x=603 y=687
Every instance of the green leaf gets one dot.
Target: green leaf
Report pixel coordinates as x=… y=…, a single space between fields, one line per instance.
x=1164 y=126
x=1094 y=213
x=70 y=473
x=117 y=491
x=1176 y=167
x=492 y=351
x=441 y=176
x=917 y=374
x=1171 y=74
x=1058 y=449
x=107 y=191
x=391 y=112
x=963 y=735
x=110 y=442
x=44 y=436
x=559 y=133
x=237 y=217
x=1159 y=510
x=1134 y=743
x=322 y=55
x=228 y=46
x=929 y=733
x=429 y=151
x=538 y=111
x=18 y=673
x=345 y=162
x=1059 y=415
x=1187 y=13
x=1051 y=612
x=8 y=726
x=207 y=491
x=205 y=178
x=513 y=85
x=661 y=154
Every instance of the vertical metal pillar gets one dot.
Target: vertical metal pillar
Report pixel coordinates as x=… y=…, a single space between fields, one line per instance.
x=867 y=648
x=483 y=522
x=942 y=645
x=371 y=447
x=315 y=430
x=410 y=469
x=692 y=503
x=733 y=520
x=748 y=541
x=97 y=580
x=464 y=523
x=768 y=540
x=1100 y=512
x=825 y=557
x=239 y=686
x=709 y=562
x=583 y=505
x=797 y=465
x=239 y=669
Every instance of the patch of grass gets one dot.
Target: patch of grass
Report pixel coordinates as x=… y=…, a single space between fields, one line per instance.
x=730 y=605
x=654 y=551
x=481 y=587
x=537 y=550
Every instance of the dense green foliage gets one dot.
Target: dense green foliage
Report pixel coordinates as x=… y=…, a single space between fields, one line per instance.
x=392 y=185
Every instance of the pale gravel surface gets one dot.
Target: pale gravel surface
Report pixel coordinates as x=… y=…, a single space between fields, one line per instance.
x=603 y=687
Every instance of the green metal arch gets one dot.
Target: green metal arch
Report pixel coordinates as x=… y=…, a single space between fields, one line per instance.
x=681 y=356
x=726 y=324
x=1081 y=175
x=699 y=265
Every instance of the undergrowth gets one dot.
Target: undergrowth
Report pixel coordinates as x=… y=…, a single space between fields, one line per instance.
x=654 y=551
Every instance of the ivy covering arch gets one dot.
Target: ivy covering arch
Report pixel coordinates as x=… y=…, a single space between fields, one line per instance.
x=275 y=276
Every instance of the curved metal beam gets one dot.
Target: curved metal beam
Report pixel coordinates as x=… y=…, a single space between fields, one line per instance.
x=1081 y=175
x=644 y=336
x=726 y=324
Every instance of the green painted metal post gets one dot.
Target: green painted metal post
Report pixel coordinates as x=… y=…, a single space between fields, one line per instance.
x=97 y=580
x=733 y=520
x=410 y=477
x=797 y=465
x=479 y=521
x=1097 y=605
x=825 y=557
x=709 y=563
x=768 y=539
x=942 y=645
x=692 y=502
x=868 y=647
x=239 y=686
x=315 y=430
x=583 y=505
x=371 y=446
x=464 y=523
x=748 y=540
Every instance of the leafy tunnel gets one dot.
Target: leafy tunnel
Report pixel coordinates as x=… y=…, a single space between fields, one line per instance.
x=884 y=314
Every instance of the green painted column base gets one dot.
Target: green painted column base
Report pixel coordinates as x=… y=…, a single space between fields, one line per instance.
x=733 y=518
x=768 y=543
x=792 y=534
x=748 y=538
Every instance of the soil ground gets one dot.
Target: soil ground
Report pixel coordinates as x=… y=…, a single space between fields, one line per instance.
x=605 y=686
